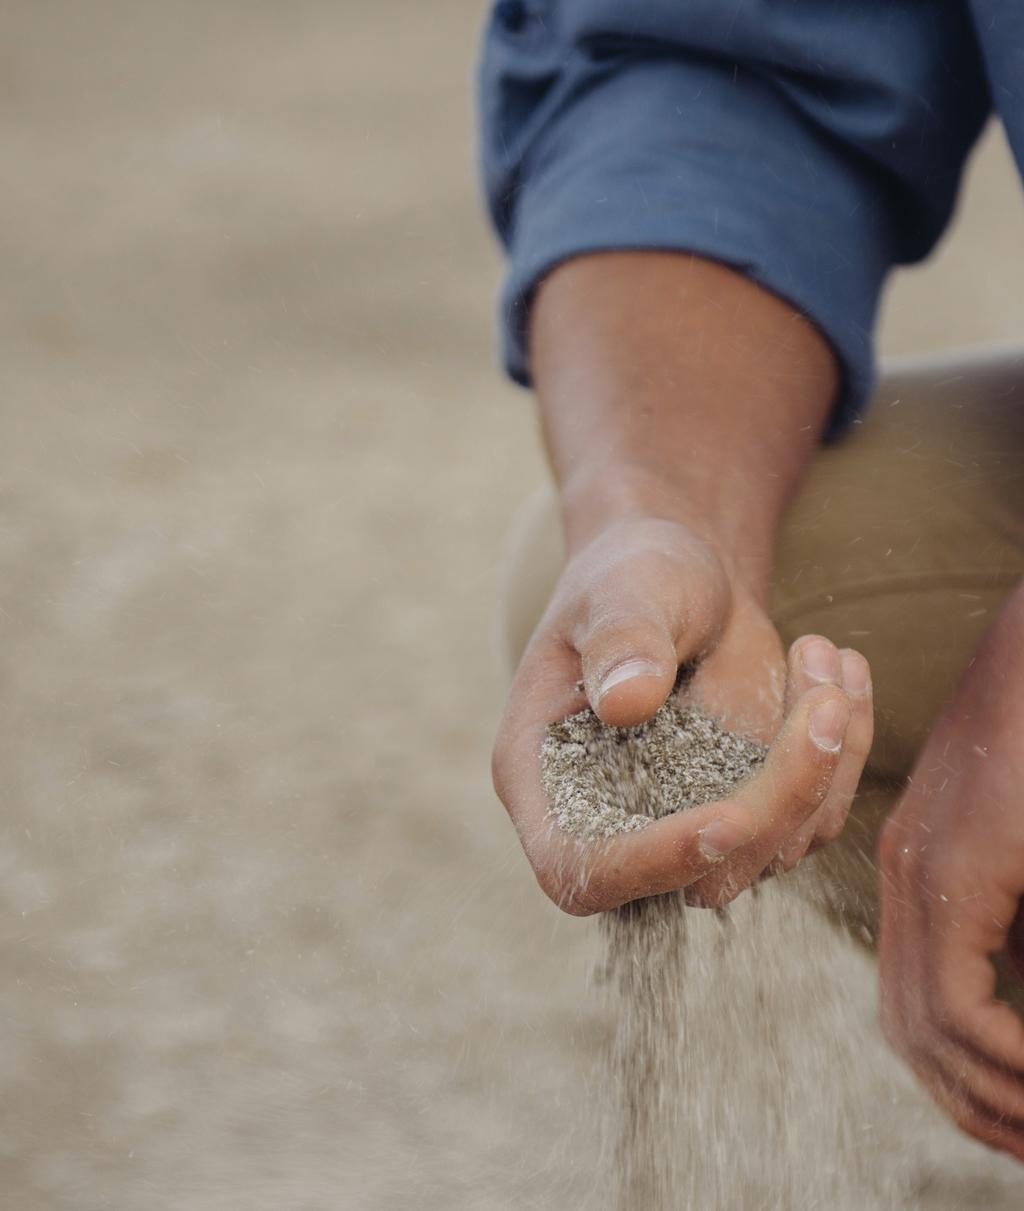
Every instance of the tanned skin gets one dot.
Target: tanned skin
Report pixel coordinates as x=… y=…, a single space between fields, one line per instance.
x=680 y=406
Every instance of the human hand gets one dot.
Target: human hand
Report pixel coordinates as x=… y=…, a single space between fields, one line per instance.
x=640 y=598
x=952 y=864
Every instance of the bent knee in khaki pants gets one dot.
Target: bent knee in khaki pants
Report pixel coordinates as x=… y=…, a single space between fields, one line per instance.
x=905 y=539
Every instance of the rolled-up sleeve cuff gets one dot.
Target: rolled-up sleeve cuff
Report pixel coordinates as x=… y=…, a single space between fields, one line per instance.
x=669 y=156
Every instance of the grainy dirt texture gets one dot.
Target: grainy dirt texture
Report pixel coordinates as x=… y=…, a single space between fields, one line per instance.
x=607 y=780
x=267 y=940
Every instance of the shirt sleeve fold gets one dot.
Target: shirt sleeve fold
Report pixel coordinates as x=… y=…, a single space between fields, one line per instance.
x=721 y=144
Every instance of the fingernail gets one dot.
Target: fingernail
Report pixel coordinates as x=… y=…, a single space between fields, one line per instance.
x=856 y=675
x=821 y=661
x=721 y=837
x=828 y=724
x=626 y=672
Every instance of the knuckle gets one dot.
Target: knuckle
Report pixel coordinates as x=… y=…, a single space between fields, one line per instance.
x=827 y=696
x=819 y=694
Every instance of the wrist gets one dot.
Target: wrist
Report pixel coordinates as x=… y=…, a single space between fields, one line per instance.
x=673 y=387
x=741 y=532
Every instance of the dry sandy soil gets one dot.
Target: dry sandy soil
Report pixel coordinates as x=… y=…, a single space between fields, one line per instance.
x=268 y=941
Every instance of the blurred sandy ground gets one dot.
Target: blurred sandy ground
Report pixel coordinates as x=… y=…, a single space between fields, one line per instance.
x=267 y=940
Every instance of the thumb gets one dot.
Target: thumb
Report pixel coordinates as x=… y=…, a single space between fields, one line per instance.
x=658 y=603
x=631 y=653
x=629 y=669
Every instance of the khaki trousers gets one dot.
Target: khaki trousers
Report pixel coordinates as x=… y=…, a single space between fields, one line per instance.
x=905 y=539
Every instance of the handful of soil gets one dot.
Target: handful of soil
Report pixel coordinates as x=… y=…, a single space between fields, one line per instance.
x=606 y=780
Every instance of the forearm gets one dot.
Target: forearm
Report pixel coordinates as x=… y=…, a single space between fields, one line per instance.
x=672 y=386
x=679 y=404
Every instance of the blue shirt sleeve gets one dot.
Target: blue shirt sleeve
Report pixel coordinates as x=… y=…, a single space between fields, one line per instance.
x=809 y=145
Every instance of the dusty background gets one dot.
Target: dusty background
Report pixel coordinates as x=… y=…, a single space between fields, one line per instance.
x=267 y=940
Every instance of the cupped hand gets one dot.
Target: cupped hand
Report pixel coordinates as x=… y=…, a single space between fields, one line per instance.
x=642 y=598
x=952 y=862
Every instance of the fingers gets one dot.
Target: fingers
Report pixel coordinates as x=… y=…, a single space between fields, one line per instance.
x=720 y=847
x=942 y=919
x=588 y=878
x=988 y=1118
x=785 y=794
x=627 y=689
x=717 y=849
x=628 y=619
x=856 y=685
x=669 y=854
x=850 y=670
x=972 y=902
x=812 y=660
